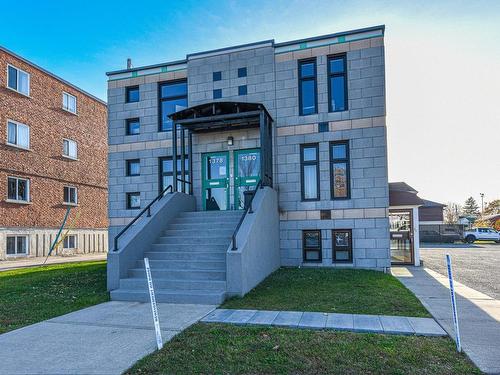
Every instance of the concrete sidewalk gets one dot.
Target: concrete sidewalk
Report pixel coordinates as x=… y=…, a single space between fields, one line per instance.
x=103 y=339
x=6 y=265
x=395 y=325
x=479 y=314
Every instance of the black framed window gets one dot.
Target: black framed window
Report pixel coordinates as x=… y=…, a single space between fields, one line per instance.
x=217 y=76
x=339 y=170
x=167 y=172
x=217 y=93
x=173 y=98
x=308 y=102
x=18 y=189
x=70 y=195
x=342 y=245
x=311 y=245
x=17 y=245
x=242 y=90
x=309 y=166
x=133 y=167
x=337 y=83
x=133 y=126
x=133 y=200
x=132 y=94
x=242 y=72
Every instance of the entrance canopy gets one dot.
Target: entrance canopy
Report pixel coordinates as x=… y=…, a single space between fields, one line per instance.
x=221 y=116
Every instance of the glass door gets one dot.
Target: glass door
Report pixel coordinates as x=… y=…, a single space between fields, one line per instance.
x=246 y=174
x=215 y=181
x=401 y=232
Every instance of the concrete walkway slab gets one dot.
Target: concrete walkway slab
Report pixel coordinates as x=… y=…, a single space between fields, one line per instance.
x=479 y=314
x=425 y=327
x=396 y=325
x=367 y=323
x=313 y=320
x=342 y=322
x=263 y=317
x=287 y=319
x=240 y=316
x=103 y=339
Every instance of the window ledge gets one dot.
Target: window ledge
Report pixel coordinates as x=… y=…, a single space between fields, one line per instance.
x=18 y=201
x=67 y=110
x=70 y=204
x=16 y=255
x=18 y=147
x=19 y=92
x=69 y=157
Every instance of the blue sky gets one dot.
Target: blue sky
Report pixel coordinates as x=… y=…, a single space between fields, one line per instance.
x=442 y=62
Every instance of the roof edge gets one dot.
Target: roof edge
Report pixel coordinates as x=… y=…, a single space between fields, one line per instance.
x=135 y=69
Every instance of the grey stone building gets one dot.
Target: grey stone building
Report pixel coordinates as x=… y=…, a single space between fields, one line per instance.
x=322 y=101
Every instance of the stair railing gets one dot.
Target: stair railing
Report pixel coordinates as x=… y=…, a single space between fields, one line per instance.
x=146 y=209
x=248 y=210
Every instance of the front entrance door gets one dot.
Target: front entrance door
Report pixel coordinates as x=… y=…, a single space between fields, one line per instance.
x=215 y=181
x=246 y=174
x=401 y=230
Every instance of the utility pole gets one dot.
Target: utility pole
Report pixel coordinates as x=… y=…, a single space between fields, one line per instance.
x=482 y=203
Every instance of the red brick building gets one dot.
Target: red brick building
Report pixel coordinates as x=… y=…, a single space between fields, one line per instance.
x=53 y=154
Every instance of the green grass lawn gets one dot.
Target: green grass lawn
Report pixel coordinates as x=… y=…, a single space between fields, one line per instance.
x=331 y=290
x=30 y=295
x=227 y=349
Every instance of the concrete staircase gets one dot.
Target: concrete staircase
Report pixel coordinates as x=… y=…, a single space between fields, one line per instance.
x=188 y=261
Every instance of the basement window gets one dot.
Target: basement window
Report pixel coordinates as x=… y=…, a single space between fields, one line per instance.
x=70 y=242
x=17 y=245
x=311 y=245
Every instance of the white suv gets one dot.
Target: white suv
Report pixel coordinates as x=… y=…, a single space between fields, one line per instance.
x=484 y=234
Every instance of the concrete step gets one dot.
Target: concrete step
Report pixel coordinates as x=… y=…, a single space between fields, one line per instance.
x=170 y=296
x=189 y=247
x=159 y=284
x=179 y=265
x=219 y=256
x=206 y=214
x=180 y=274
x=208 y=221
x=206 y=232
x=202 y=225
x=198 y=240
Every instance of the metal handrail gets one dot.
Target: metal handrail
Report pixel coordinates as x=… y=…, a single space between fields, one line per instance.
x=247 y=210
x=147 y=208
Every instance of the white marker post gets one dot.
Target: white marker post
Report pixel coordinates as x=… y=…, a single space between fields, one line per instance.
x=154 y=308
x=453 y=303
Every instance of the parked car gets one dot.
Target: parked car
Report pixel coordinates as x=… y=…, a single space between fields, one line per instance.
x=485 y=234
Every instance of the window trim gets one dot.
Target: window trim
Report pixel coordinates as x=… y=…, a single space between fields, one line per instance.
x=331 y=75
x=346 y=160
x=160 y=99
x=76 y=148
x=17 y=123
x=28 y=194
x=334 y=258
x=17 y=80
x=127 y=167
x=67 y=108
x=313 y=78
x=75 y=203
x=16 y=254
x=128 y=195
x=304 y=260
x=128 y=121
x=304 y=163
x=130 y=88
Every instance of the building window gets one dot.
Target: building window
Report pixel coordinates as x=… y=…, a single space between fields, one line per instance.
x=167 y=173
x=70 y=149
x=18 y=80
x=309 y=163
x=18 y=189
x=132 y=94
x=339 y=170
x=133 y=167
x=133 y=200
x=18 y=134
x=173 y=98
x=17 y=245
x=242 y=90
x=308 y=103
x=217 y=93
x=311 y=245
x=242 y=72
x=133 y=126
x=217 y=76
x=337 y=83
x=69 y=102
x=69 y=242
x=342 y=245
x=70 y=195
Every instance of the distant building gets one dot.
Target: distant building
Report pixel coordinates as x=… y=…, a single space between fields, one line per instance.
x=431 y=212
x=53 y=154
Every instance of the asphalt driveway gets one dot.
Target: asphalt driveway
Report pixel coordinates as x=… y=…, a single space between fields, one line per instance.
x=476 y=265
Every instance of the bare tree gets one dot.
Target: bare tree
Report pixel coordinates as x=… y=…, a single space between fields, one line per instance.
x=452 y=213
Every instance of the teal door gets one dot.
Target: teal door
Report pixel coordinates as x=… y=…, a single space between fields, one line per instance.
x=246 y=174
x=215 y=181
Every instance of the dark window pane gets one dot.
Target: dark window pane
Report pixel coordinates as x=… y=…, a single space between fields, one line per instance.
x=337 y=87
x=21 y=245
x=312 y=255
x=249 y=164
x=174 y=89
x=342 y=245
x=167 y=165
x=340 y=180
x=310 y=182
x=66 y=194
x=217 y=76
x=11 y=245
x=133 y=127
x=308 y=97
x=168 y=107
x=12 y=78
x=12 y=188
x=337 y=65
x=134 y=167
x=132 y=94
x=339 y=151
x=22 y=190
x=307 y=70
x=242 y=90
x=341 y=239
x=309 y=153
x=311 y=239
x=11 y=136
x=216 y=167
x=133 y=200
x=217 y=93
x=242 y=72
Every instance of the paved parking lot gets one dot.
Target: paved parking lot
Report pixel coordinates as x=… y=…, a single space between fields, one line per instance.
x=476 y=265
